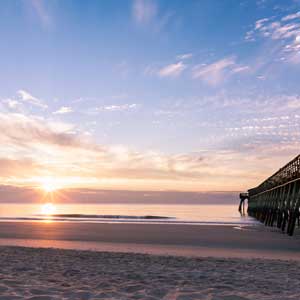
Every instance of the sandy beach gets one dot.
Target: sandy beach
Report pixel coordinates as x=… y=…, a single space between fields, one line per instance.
x=147 y=261
x=42 y=274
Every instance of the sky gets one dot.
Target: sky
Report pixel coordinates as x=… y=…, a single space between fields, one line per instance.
x=148 y=95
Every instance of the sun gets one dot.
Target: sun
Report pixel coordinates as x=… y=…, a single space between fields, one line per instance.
x=49 y=185
x=48 y=209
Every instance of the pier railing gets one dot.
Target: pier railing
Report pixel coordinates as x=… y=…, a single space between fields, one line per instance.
x=276 y=201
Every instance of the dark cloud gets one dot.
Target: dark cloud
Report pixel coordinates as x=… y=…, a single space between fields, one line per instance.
x=13 y=194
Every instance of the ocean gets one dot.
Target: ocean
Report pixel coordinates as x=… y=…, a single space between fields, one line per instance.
x=219 y=214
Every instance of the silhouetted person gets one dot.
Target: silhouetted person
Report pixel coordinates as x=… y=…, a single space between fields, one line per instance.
x=243 y=197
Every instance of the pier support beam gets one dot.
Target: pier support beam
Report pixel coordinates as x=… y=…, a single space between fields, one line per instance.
x=276 y=202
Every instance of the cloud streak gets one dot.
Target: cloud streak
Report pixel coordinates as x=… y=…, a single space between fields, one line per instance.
x=118 y=107
x=27 y=97
x=144 y=11
x=172 y=70
x=218 y=71
x=185 y=56
x=63 y=110
x=39 y=7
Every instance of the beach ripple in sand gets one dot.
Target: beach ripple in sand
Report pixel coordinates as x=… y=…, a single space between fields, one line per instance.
x=45 y=274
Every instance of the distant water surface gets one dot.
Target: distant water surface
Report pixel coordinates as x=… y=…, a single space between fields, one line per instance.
x=129 y=213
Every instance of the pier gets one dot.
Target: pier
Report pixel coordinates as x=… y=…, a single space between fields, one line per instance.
x=276 y=201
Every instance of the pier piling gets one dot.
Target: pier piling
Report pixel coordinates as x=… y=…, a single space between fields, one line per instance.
x=276 y=201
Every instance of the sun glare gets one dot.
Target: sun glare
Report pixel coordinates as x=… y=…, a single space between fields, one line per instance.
x=48 y=209
x=49 y=185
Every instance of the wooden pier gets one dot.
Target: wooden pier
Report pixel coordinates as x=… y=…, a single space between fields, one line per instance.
x=276 y=201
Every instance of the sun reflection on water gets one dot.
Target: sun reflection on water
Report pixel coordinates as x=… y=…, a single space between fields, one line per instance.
x=48 y=209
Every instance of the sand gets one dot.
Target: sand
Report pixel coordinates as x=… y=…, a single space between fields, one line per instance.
x=184 y=240
x=42 y=274
x=147 y=261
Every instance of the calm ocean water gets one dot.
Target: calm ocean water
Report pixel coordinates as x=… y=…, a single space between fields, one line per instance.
x=129 y=213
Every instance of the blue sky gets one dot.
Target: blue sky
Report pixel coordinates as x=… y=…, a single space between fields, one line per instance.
x=188 y=95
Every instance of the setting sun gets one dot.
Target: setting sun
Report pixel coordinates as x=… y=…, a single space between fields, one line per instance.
x=49 y=185
x=48 y=209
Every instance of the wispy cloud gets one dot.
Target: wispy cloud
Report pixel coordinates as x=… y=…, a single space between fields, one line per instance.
x=64 y=110
x=34 y=147
x=24 y=129
x=12 y=104
x=172 y=70
x=240 y=69
x=241 y=104
x=294 y=102
x=144 y=10
x=40 y=9
x=147 y=12
x=284 y=32
x=115 y=107
x=216 y=72
x=185 y=56
x=27 y=97
x=291 y=16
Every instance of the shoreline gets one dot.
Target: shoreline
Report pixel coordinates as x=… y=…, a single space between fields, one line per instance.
x=120 y=221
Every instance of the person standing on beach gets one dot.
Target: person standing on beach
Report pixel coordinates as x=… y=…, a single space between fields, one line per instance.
x=243 y=197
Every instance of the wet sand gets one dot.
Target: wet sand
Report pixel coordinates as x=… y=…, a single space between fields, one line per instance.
x=187 y=240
